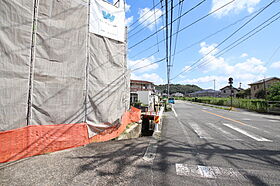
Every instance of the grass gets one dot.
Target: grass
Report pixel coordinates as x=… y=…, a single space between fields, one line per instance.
x=258 y=105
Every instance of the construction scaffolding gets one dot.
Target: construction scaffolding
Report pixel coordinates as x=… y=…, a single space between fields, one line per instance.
x=60 y=65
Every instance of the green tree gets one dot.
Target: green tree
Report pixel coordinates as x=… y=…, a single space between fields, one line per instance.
x=184 y=89
x=260 y=94
x=274 y=92
x=244 y=93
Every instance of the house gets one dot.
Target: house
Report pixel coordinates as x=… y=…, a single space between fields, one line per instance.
x=144 y=92
x=205 y=93
x=177 y=94
x=263 y=84
x=227 y=91
x=138 y=85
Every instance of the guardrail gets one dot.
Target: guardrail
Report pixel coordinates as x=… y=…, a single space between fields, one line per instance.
x=273 y=107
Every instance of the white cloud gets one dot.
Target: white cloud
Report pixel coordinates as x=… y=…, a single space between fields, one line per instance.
x=247 y=71
x=275 y=65
x=149 y=17
x=153 y=77
x=146 y=63
x=251 y=65
x=244 y=55
x=128 y=20
x=127 y=7
x=234 y=7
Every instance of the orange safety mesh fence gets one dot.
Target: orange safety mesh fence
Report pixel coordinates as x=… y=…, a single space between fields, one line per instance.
x=40 y=139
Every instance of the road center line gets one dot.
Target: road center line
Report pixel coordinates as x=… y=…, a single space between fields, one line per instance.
x=225 y=117
x=255 y=137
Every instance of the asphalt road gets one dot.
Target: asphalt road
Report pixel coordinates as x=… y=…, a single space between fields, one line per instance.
x=206 y=146
x=199 y=145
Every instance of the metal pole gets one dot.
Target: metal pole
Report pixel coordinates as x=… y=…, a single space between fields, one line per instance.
x=167 y=63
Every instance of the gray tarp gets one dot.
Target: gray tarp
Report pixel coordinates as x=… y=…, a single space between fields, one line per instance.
x=107 y=85
x=77 y=76
x=15 y=47
x=60 y=63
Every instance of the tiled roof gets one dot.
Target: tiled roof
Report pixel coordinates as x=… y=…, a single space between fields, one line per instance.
x=140 y=81
x=266 y=79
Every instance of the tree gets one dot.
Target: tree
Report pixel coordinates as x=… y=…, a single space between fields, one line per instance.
x=274 y=92
x=244 y=93
x=260 y=94
x=174 y=88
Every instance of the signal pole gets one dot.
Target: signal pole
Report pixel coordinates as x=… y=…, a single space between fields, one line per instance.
x=230 y=81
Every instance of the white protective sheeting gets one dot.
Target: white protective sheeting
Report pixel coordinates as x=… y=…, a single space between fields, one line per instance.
x=15 y=47
x=108 y=81
x=60 y=63
x=75 y=76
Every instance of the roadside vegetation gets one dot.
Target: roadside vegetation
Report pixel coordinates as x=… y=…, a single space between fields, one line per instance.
x=177 y=88
x=272 y=103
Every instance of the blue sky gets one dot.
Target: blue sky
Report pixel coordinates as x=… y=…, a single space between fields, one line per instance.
x=256 y=58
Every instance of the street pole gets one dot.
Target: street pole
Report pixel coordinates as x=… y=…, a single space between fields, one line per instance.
x=230 y=81
x=265 y=94
x=214 y=87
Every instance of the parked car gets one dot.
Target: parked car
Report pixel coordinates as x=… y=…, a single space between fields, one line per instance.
x=171 y=100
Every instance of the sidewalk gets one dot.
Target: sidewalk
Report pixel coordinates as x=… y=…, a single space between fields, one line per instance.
x=108 y=163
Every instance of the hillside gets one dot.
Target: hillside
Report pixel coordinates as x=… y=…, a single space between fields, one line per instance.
x=184 y=89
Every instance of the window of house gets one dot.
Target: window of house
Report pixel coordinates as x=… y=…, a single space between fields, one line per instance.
x=224 y=91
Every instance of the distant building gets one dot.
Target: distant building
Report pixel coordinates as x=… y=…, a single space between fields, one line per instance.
x=227 y=91
x=138 y=85
x=262 y=85
x=144 y=92
x=177 y=94
x=205 y=93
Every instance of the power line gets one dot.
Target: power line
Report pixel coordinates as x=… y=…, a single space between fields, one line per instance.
x=227 y=38
x=156 y=27
x=153 y=22
x=137 y=21
x=178 y=27
x=170 y=23
x=197 y=42
x=239 y=40
x=148 y=65
x=222 y=52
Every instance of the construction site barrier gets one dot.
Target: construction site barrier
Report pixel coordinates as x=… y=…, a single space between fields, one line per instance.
x=41 y=139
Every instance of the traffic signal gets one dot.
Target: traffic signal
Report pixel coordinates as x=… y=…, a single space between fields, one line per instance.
x=230 y=81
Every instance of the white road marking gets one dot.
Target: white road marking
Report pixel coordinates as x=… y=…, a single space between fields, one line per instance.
x=246 y=119
x=253 y=136
x=199 y=131
x=275 y=121
x=227 y=134
x=208 y=172
x=174 y=112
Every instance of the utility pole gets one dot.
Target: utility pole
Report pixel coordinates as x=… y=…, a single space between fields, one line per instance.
x=167 y=62
x=214 y=87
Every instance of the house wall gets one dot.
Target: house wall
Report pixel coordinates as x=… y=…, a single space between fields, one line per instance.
x=255 y=88
x=137 y=86
x=227 y=92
